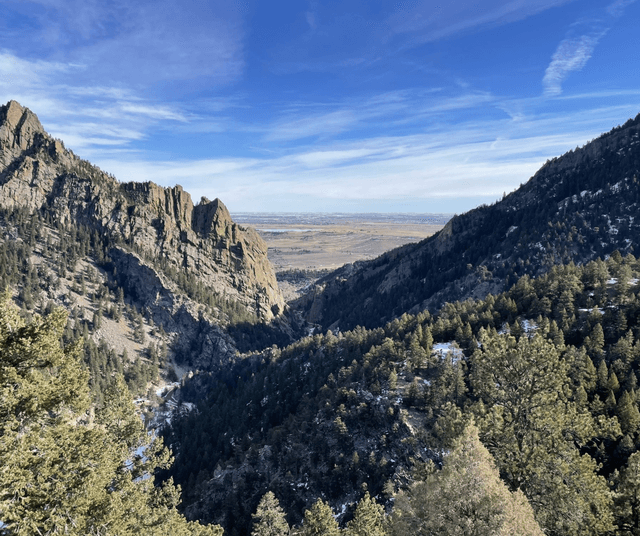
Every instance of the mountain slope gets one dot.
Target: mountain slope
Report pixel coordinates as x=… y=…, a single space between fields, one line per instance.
x=548 y=370
x=139 y=267
x=37 y=173
x=577 y=207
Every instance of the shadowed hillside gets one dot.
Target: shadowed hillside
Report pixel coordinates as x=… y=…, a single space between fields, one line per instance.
x=580 y=206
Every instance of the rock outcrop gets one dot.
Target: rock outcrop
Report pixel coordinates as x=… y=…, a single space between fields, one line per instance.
x=38 y=173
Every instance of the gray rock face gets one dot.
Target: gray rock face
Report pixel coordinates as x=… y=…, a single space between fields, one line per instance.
x=18 y=127
x=175 y=312
x=38 y=173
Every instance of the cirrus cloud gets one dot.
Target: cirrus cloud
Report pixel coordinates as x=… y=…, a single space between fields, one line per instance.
x=576 y=49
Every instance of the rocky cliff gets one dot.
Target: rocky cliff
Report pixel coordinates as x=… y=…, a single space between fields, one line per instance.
x=38 y=173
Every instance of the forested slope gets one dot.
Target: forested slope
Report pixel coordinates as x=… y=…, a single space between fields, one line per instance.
x=578 y=207
x=70 y=466
x=548 y=370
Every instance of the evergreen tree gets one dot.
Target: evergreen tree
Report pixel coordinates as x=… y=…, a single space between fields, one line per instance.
x=269 y=519
x=64 y=471
x=603 y=376
x=465 y=497
x=319 y=521
x=532 y=428
x=418 y=354
x=595 y=342
x=393 y=379
x=628 y=414
x=368 y=519
x=628 y=498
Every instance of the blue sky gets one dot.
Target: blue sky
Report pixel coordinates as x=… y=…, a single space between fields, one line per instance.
x=350 y=106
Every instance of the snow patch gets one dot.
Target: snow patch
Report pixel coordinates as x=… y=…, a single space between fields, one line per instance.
x=343 y=511
x=451 y=347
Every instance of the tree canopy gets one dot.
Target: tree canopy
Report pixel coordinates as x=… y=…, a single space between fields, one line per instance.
x=465 y=497
x=66 y=466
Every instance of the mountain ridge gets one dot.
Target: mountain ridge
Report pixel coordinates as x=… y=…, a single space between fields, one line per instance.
x=155 y=269
x=563 y=214
x=38 y=173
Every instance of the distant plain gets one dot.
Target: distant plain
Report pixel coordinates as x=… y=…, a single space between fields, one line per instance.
x=317 y=243
x=327 y=241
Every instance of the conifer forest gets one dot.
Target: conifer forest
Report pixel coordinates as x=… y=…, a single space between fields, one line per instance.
x=153 y=381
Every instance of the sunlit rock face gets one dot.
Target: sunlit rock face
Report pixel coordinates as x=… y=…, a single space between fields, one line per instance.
x=37 y=173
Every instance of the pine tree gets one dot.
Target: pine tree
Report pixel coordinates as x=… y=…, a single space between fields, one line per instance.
x=418 y=355
x=628 y=498
x=532 y=429
x=393 y=379
x=427 y=340
x=628 y=414
x=269 y=519
x=612 y=383
x=319 y=521
x=368 y=519
x=603 y=376
x=465 y=497
x=64 y=471
x=595 y=344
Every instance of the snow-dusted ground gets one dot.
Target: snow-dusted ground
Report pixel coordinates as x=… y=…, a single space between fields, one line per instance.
x=165 y=389
x=445 y=348
x=529 y=326
x=591 y=310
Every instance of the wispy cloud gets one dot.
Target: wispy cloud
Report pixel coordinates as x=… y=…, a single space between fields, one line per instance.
x=473 y=160
x=20 y=73
x=311 y=19
x=394 y=108
x=617 y=8
x=137 y=42
x=423 y=22
x=571 y=55
x=383 y=33
x=576 y=49
x=107 y=72
x=81 y=115
x=154 y=112
x=325 y=125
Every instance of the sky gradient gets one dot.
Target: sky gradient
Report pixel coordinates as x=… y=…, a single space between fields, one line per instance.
x=347 y=106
